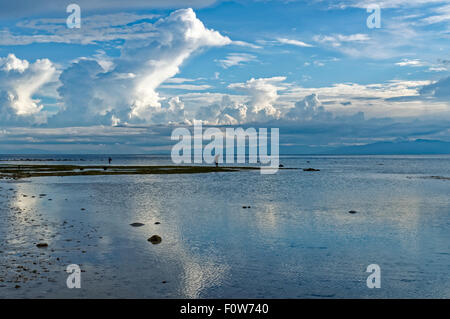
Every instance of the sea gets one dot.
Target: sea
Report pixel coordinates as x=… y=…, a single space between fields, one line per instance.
x=230 y=234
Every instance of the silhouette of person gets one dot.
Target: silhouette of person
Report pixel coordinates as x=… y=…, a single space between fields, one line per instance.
x=216 y=160
x=110 y=160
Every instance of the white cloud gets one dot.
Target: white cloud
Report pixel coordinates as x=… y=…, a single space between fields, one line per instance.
x=390 y=89
x=181 y=34
x=294 y=42
x=257 y=104
x=310 y=108
x=437 y=69
x=151 y=62
x=173 y=112
x=384 y=3
x=263 y=93
x=407 y=62
x=26 y=8
x=11 y=63
x=440 y=14
x=179 y=80
x=246 y=44
x=318 y=63
x=187 y=87
x=19 y=82
x=391 y=41
x=225 y=112
x=271 y=99
x=337 y=40
x=389 y=99
x=234 y=59
x=95 y=28
x=124 y=90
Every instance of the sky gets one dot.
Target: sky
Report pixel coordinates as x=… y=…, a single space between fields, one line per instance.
x=135 y=70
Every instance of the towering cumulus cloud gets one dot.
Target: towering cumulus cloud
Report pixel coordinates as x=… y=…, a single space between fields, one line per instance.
x=263 y=94
x=19 y=81
x=127 y=92
x=310 y=108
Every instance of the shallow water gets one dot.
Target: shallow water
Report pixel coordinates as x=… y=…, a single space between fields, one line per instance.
x=296 y=241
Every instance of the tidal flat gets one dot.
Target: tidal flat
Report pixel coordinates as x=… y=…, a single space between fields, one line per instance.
x=26 y=171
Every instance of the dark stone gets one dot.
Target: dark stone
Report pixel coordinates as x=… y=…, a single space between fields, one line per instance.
x=157 y=223
x=311 y=170
x=281 y=165
x=41 y=245
x=352 y=212
x=137 y=224
x=155 y=239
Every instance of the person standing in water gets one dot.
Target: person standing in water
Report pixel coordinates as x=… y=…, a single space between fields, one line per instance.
x=216 y=160
x=109 y=160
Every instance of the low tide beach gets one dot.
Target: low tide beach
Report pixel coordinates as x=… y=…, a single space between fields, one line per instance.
x=226 y=232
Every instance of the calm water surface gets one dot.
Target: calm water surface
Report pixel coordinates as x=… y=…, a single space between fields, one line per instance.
x=296 y=241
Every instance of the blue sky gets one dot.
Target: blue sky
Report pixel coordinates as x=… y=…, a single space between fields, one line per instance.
x=137 y=69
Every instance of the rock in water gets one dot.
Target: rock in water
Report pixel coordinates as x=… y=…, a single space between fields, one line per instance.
x=42 y=245
x=137 y=224
x=311 y=170
x=155 y=239
x=352 y=212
